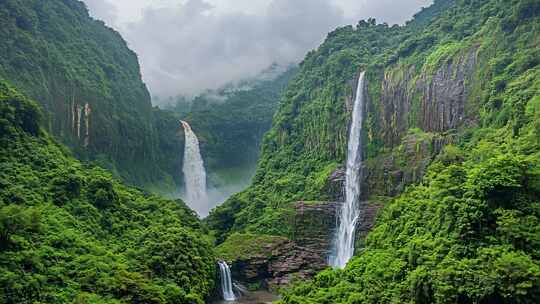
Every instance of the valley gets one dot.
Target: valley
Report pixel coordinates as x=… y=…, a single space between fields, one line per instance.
x=392 y=164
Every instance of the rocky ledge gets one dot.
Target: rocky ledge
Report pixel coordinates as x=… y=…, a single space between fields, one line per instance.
x=272 y=262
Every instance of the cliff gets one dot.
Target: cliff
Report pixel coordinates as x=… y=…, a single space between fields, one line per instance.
x=274 y=262
x=447 y=99
x=86 y=80
x=71 y=233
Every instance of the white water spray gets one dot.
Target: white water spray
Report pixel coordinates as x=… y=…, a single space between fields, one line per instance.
x=226 y=282
x=350 y=211
x=194 y=173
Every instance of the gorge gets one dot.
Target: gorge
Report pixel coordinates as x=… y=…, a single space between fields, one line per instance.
x=394 y=164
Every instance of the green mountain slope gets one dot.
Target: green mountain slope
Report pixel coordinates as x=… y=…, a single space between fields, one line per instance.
x=86 y=79
x=458 y=94
x=231 y=124
x=70 y=233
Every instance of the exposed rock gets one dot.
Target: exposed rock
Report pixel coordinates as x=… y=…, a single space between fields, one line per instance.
x=301 y=256
x=367 y=220
x=335 y=185
x=389 y=173
x=87 y=112
x=433 y=101
x=314 y=225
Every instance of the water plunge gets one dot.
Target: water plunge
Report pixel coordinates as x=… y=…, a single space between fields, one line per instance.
x=343 y=249
x=226 y=282
x=194 y=173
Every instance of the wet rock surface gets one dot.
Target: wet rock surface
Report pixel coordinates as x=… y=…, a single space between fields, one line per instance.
x=300 y=257
x=434 y=101
x=335 y=185
x=390 y=173
x=306 y=253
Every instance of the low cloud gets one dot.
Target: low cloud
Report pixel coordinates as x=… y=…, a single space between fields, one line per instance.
x=190 y=47
x=103 y=10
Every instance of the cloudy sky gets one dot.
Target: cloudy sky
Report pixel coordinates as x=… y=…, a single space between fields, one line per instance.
x=187 y=46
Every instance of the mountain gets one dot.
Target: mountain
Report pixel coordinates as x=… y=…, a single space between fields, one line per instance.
x=231 y=124
x=450 y=171
x=451 y=164
x=70 y=233
x=87 y=81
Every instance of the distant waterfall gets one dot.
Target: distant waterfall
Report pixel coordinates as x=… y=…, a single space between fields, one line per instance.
x=226 y=282
x=194 y=174
x=350 y=211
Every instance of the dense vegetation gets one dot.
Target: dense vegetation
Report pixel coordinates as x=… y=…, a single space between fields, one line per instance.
x=231 y=122
x=308 y=139
x=70 y=233
x=57 y=55
x=468 y=232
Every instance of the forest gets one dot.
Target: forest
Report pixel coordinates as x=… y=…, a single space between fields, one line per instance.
x=449 y=175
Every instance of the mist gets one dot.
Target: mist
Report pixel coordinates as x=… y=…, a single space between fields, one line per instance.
x=187 y=47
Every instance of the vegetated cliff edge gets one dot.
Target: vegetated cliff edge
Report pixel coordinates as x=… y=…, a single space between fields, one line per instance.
x=88 y=82
x=458 y=95
x=70 y=233
x=231 y=122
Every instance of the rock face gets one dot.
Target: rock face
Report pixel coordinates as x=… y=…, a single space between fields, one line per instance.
x=389 y=173
x=306 y=252
x=434 y=100
x=335 y=185
x=370 y=210
x=301 y=256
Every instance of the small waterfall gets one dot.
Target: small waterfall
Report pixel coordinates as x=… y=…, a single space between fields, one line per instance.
x=226 y=282
x=194 y=173
x=350 y=211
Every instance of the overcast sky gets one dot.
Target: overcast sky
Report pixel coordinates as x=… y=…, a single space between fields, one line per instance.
x=187 y=46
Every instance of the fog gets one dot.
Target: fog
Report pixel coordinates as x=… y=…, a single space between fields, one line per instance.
x=193 y=46
x=186 y=47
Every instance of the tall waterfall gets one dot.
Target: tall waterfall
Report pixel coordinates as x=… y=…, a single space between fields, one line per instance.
x=226 y=281
x=350 y=211
x=194 y=173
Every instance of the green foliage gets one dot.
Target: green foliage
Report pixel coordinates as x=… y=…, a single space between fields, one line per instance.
x=467 y=234
x=231 y=122
x=309 y=134
x=15 y=115
x=72 y=234
x=242 y=246
x=101 y=192
x=55 y=53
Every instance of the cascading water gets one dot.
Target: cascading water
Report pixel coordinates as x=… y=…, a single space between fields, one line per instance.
x=226 y=282
x=350 y=211
x=194 y=173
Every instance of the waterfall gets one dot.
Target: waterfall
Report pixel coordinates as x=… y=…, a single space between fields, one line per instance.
x=226 y=281
x=350 y=211
x=194 y=173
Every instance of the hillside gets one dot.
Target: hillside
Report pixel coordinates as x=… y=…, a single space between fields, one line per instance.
x=451 y=141
x=450 y=166
x=70 y=233
x=88 y=83
x=231 y=124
